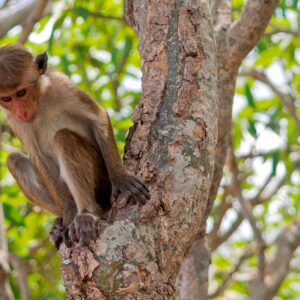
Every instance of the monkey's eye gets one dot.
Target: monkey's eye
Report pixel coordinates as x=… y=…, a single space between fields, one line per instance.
x=21 y=93
x=6 y=98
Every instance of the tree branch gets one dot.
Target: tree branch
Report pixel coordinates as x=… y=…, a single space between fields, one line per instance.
x=248 y=213
x=13 y=15
x=106 y=17
x=288 y=241
x=229 y=276
x=245 y=32
x=276 y=30
x=234 y=43
x=221 y=12
x=21 y=271
x=34 y=17
x=5 y=288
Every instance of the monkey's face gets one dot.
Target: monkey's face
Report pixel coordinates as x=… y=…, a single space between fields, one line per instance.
x=22 y=102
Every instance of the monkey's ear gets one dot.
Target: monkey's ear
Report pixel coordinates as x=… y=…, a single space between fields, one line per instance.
x=41 y=62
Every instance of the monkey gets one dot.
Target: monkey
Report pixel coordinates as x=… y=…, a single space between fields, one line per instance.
x=72 y=167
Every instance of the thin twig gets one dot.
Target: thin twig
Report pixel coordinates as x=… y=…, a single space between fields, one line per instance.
x=248 y=213
x=229 y=276
x=21 y=270
x=105 y=17
x=276 y=30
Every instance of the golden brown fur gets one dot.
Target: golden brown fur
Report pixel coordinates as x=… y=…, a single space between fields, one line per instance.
x=73 y=166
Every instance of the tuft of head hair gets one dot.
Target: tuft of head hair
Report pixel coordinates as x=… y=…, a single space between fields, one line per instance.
x=15 y=60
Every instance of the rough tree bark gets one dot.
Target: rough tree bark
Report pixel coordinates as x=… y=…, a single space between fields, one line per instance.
x=171 y=147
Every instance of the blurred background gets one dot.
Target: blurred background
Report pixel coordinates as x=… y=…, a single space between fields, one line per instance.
x=91 y=42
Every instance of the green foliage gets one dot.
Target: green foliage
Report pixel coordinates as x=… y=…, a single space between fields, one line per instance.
x=266 y=140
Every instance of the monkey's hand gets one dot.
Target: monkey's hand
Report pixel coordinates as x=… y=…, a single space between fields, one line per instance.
x=56 y=232
x=130 y=187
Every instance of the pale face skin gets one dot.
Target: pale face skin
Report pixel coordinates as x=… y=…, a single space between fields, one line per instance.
x=22 y=102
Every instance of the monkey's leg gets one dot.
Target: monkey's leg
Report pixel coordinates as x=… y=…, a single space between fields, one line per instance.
x=80 y=169
x=21 y=169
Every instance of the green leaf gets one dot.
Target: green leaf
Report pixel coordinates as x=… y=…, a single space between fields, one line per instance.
x=252 y=128
x=56 y=26
x=82 y=12
x=275 y=160
x=65 y=64
x=12 y=214
x=249 y=96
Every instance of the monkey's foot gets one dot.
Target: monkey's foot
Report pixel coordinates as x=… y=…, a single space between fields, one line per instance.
x=85 y=228
x=56 y=232
x=131 y=188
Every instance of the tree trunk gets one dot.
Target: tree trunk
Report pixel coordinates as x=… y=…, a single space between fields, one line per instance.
x=171 y=147
x=192 y=281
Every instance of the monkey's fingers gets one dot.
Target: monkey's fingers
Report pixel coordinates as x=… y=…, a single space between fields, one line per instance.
x=135 y=195
x=138 y=192
x=141 y=187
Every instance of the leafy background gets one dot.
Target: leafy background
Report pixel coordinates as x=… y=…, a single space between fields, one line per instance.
x=91 y=42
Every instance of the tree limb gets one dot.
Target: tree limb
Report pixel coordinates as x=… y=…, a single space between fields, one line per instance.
x=34 y=17
x=245 y=32
x=13 y=15
x=233 y=44
x=287 y=242
x=5 y=288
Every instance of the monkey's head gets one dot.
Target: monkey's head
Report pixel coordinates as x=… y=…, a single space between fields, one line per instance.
x=19 y=78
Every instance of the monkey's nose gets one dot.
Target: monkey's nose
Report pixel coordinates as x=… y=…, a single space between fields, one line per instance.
x=23 y=116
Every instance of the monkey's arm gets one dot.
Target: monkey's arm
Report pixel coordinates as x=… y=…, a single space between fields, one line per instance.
x=122 y=181
x=21 y=168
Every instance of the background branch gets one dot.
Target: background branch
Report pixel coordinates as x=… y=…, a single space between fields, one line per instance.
x=287 y=99
x=34 y=17
x=245 y=32
x=13 y=15
x=248 y=213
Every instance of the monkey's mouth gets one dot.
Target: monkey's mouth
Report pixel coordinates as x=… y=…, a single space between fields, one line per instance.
x=27 y=117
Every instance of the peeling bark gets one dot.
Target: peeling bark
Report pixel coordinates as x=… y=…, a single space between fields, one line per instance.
x=171 y=147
